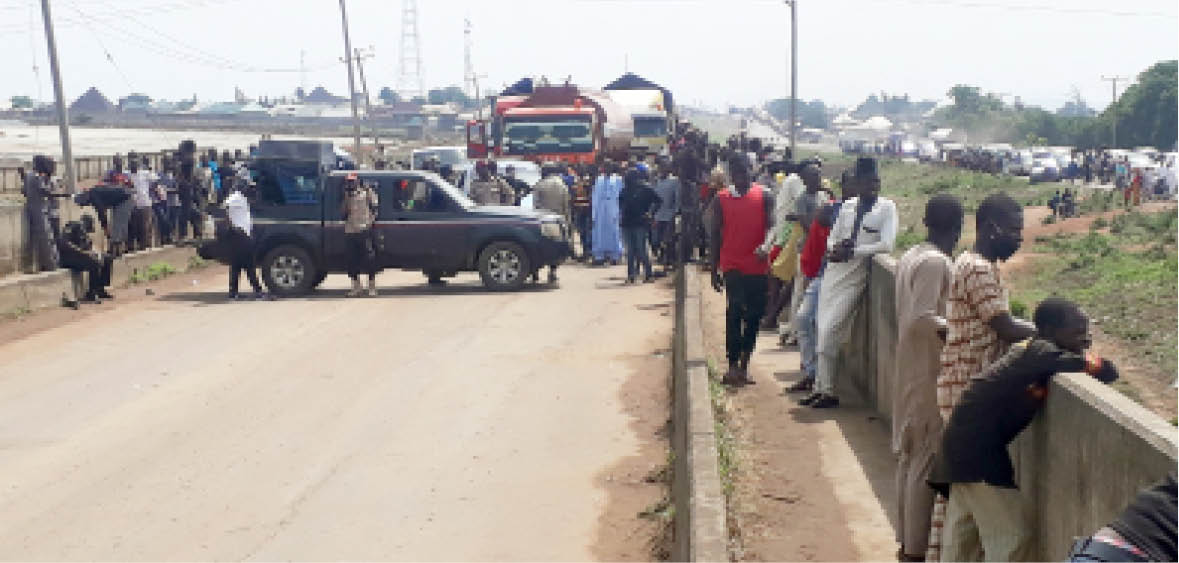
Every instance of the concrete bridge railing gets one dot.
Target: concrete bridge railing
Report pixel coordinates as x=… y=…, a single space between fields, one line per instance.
x=1086 y=455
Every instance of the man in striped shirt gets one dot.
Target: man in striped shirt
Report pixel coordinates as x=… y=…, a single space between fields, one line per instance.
x=978 y=316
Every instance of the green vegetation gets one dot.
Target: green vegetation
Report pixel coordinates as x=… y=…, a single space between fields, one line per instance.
x=156 y=271
x=196 y=262
x=726 y=447
x=1146 y=116
x=1125 y=280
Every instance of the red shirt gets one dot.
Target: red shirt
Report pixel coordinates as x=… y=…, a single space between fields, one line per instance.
x=743 y=230
x=811 y=258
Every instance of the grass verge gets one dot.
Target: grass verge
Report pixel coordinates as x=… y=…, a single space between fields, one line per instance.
x=1125 y=279
x=157 y=271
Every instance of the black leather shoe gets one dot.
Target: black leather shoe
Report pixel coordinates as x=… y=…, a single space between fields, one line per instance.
x=803 y=385
x=809 y=399
x=825 y=402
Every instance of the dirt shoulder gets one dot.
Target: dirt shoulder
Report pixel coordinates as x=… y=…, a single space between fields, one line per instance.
x=808 y=485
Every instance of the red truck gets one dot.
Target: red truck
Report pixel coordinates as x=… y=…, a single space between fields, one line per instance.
x=553 y=124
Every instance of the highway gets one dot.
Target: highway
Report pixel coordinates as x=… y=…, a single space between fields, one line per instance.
x=424 y=424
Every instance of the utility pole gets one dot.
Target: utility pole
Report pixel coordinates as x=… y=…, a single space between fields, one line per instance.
x=1113 y=108
x=351 y=80
x=368 y=107
x=793 y=74
x=63 y=119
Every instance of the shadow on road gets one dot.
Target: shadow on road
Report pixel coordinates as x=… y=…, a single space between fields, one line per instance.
x=218 y=297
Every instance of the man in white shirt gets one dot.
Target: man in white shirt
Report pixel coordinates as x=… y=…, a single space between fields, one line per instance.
x=241 y=244
x=866 y=226
x=139 y=237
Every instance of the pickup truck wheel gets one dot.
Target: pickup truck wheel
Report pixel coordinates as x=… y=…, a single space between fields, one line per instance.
x=504 y=266
x=289 y=270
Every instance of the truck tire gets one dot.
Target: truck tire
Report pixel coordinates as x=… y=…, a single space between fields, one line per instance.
x=289 y=270
x=504 y=266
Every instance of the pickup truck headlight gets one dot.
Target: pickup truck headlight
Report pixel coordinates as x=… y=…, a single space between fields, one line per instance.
x=552 y=230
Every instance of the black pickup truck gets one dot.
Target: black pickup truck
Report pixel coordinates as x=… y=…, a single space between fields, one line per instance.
x=423 y=223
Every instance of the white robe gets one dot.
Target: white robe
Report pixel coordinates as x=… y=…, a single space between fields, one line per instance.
x=844 y=282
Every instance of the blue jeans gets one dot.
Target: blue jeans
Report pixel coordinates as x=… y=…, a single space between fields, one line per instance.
x=804 y=325
x=635 y=239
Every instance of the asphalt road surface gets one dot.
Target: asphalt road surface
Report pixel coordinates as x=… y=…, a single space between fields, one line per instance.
x=450 y=424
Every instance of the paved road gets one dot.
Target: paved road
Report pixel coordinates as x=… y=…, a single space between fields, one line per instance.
x=421 y=425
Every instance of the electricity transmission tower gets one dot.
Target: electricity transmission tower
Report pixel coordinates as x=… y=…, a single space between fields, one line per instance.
x=409 y=82
x=468 y=66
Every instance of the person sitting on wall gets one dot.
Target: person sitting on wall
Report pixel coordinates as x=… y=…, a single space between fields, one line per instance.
x=973 y=468
x=78 y=254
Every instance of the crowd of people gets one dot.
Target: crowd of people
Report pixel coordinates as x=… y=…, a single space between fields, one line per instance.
x=135 y=206
x=791 y=252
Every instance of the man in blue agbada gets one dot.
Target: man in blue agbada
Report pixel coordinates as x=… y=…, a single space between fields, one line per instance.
x=607 y=235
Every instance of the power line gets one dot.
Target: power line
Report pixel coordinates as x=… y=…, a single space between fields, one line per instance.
x=109 y=57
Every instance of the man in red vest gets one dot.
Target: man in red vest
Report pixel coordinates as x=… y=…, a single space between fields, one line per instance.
x=740 y=219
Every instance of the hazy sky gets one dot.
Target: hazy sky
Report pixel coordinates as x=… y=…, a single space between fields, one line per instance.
x=707 y=51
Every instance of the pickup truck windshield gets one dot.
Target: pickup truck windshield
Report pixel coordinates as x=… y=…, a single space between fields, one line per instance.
x=650 y=127
x=538 y=134
x=455 y=194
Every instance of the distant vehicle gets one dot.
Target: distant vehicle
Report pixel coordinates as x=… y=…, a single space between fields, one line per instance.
x=1044 y=168
x=423 y=223
x=454 y=156
x=1020 y=163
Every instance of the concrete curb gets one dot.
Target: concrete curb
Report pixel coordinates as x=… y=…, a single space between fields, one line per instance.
x=29 y=292
x=701 y=531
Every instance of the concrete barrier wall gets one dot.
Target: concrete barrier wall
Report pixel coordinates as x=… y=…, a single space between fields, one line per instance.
x=29 y=292
x=1084 y=457
x=701 y=532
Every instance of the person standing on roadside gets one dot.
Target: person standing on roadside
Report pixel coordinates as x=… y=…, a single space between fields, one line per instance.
x=139 y=235
x=607 y=236
x=241 y=244
x=811 y=263
x=359 y=211
x=37 y=192
x=635 y=201
x=985 y=518
x=583 y=214
x=739 y=220
x=866 y=226
x=667 y=189
x=551 y=193
x=979 y=322
x=923 y=277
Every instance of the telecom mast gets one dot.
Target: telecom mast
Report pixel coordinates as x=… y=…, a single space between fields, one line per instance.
x=410 y=83
x=468 y=66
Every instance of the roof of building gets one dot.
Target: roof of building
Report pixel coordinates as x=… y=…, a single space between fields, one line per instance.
x=92 y=102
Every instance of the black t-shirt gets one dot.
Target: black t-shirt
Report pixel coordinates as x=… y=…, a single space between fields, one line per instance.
x=1149 y=521
x=999 y=403
x=634 y=201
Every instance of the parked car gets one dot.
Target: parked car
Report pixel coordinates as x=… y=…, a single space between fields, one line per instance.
x=1020 y=163
x=423 y=223
x=1044 y=168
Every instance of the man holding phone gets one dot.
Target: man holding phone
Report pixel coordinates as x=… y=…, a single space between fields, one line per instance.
x=866 y=226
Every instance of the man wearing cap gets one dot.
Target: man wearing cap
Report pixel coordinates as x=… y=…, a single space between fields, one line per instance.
x=866 y=226
x=359 y=212
x=485 y=190
x=519 y=187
